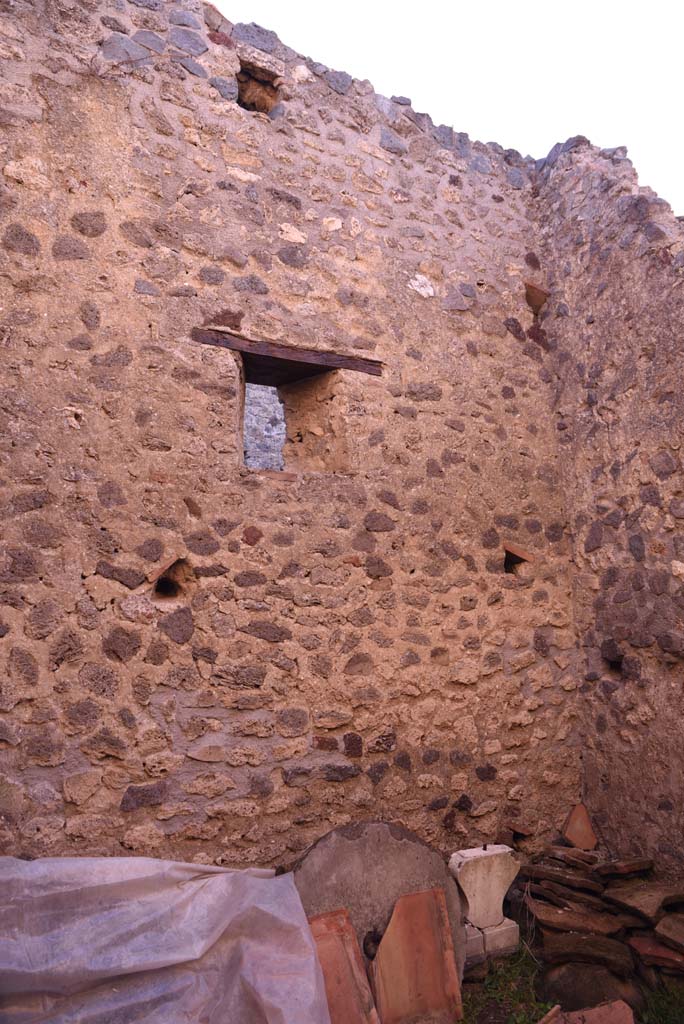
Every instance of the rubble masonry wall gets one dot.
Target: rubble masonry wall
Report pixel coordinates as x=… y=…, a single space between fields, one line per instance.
x=345 y=642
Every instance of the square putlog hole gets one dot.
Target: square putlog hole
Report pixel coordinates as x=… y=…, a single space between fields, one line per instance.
x=515 y=559
x=256 y=89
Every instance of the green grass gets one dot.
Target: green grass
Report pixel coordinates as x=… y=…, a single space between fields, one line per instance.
x=664 y=1006
x=507 y=994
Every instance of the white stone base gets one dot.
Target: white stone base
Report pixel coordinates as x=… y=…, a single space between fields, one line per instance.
x=502 y=939
x=488 y=943
x=475 y=949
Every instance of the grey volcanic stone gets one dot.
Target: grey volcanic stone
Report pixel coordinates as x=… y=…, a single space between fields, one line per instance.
x=392 y=143
x=184 y=18
x=480 y=164
x=455 y=301
x=366 y=867
x=113 y=24
x=255 y=35
x=515 y=178
x=194 y=67
x=68 y=247
x=187 y=40
x=150 y=40
x=119 y=47
x=145 y=287
x=339 y=81
x=225 y=87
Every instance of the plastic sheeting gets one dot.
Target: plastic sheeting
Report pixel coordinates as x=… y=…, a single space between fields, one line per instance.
x=123 y=940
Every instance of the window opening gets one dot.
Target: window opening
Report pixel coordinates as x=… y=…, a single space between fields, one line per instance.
x=296 y=410
x=264 y=428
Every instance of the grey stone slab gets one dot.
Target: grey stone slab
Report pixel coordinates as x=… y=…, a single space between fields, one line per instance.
x=339 y=81
x=225 y=87
x=366 y=867
x=480 y=164
x=256 y=36
x=194 y=67
x=150 y=40
x=187 y=40
x=184 y=18
x=119 y=47
x=392 y=143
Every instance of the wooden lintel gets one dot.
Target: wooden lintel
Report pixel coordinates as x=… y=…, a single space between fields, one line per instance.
x=267 y=362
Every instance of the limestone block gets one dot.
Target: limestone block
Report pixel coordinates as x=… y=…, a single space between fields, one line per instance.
x=501 y=939
x=483 y=875
x=475 y=950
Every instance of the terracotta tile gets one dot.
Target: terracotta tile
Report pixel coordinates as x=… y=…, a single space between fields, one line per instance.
x=608 y=1013
x=576 y=918
x=620 y=868
x=644 y=897
x=655 y=954
x=578 y=830
x=414 y=973
x=671 y=931
x=573 y=947
x=554 y=1016
x=349 y=996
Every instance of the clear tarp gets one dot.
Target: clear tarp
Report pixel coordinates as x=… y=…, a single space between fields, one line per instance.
x=133 y=940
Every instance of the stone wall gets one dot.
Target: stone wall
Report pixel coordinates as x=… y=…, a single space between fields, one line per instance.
x=211 y=662
x=614 y=329
x=264 y=428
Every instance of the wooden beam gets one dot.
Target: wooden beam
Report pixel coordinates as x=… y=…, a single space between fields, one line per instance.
x=267 y=362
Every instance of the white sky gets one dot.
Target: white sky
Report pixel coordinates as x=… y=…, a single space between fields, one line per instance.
x=524 y=73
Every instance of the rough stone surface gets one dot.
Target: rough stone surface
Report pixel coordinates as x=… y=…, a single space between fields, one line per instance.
x=367 y=867
x=575 y=986
x=225 y=87
x=171 y=208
